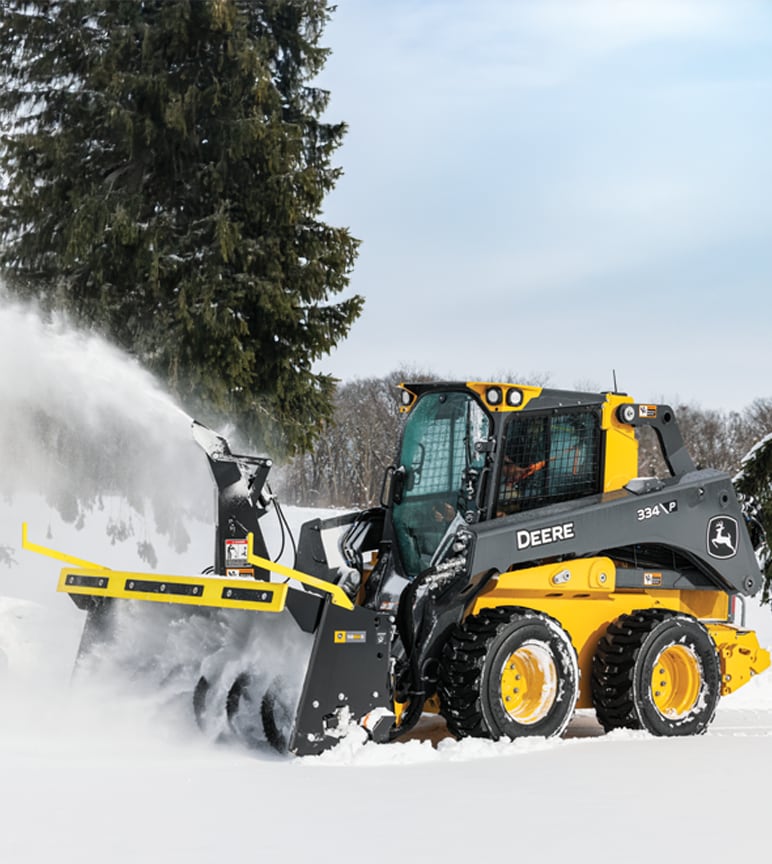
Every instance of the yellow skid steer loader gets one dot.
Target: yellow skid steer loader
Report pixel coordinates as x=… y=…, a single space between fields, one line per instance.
x=517 y=568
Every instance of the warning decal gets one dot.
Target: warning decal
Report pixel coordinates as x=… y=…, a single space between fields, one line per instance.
x=240 y=572
x=235 y=553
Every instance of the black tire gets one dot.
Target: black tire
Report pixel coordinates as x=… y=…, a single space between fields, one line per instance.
x=658 y=670
x=508 y=672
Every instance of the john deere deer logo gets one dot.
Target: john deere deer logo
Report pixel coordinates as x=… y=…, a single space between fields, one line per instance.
x=722 y=537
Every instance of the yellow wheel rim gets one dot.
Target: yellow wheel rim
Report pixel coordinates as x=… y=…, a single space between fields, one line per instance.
x=676 y=678
x=529 y=683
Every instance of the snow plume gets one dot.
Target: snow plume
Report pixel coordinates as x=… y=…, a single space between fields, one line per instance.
x=102 y=464
x=87 y=430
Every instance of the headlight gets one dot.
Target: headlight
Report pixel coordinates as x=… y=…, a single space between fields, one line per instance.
x=493 y=395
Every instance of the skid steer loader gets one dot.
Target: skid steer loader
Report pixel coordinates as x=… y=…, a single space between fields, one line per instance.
x=518 y=568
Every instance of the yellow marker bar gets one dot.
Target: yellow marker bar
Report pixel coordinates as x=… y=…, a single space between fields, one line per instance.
x=338 y=595
x=59 y=556
x=188 y=590
x=98 y=581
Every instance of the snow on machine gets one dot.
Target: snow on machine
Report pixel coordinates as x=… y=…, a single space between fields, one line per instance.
x=516 y=569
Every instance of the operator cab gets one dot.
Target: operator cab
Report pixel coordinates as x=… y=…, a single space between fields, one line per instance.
x=472 y=452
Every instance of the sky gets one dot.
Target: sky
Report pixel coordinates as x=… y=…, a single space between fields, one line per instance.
x=558 y=190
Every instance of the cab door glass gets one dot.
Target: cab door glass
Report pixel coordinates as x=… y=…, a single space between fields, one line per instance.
x=439 y=456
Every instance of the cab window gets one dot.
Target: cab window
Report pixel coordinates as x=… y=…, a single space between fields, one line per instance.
x=549 y=458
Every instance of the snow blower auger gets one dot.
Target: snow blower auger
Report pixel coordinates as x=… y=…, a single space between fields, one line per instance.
x=517 y=568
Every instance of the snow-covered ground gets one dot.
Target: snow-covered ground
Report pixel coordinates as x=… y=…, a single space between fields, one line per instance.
x=102 y=770
x=92 y=774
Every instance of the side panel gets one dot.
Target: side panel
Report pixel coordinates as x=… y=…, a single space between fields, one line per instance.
x=695 y=516
x=347 y=677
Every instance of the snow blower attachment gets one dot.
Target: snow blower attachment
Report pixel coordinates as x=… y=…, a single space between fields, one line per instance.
x=516 y=569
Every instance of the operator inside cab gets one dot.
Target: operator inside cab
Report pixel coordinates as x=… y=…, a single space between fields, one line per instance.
x=548 y=458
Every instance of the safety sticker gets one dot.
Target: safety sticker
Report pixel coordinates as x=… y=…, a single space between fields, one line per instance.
x=240 y=572
x=235 y=553
x=647 y=412
x=652 y=580
x=347 y=637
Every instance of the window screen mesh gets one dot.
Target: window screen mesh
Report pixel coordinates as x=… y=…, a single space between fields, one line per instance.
x=549 y=458
x=438 y=459
x=438 y=443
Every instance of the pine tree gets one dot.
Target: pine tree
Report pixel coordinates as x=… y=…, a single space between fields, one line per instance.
x=166 y=163
x=754 y=485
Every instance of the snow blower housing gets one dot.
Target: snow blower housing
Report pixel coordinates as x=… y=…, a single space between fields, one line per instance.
x=516 y=569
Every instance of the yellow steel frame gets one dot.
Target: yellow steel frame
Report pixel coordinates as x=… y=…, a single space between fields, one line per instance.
x=740 y=654
x=621 y=452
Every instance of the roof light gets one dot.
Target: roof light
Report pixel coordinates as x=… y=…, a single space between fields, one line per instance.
x=406 y=397
x=514 y=398
x=626 y=413
x=493 y=395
